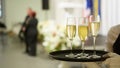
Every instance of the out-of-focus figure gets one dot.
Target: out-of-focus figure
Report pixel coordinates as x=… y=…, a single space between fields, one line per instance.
x=21 y=32
x=31 y=33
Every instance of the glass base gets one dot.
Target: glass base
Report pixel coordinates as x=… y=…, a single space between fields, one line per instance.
x=71 y=55
x=95 y=56
x=82 y=55
x=86 y=56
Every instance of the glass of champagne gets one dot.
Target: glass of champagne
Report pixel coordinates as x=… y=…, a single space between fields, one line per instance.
x=71 y=32
x=94 y=27
x=83 y=34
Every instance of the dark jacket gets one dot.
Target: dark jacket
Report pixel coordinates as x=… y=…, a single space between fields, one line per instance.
x=21 y=32
x=31 y=27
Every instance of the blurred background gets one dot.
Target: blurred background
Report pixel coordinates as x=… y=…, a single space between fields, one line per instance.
x=51 y=15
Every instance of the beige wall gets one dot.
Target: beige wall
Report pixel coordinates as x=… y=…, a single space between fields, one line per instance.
x=16 y=11
x=62 y=13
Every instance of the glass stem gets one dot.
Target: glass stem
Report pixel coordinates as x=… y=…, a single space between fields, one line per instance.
x=94 y=46
x=83 y=47
x=71 y=45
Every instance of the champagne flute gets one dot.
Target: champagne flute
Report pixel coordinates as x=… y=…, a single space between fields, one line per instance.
x=71 y=32
x=83 y=33
x=94 y=27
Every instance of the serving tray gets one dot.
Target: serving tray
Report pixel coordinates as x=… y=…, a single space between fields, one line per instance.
x=60 y=55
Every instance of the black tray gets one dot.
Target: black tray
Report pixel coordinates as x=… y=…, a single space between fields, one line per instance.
x=60 y=55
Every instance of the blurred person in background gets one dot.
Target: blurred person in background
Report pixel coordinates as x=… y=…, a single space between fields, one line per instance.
x=21 y=34
x=31 y=33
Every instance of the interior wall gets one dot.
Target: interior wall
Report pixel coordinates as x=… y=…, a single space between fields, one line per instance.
x=16 y=11
x=2 y=19
x=63 y=10
x=110 y=15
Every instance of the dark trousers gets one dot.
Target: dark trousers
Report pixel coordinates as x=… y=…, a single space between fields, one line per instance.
x=31 y=42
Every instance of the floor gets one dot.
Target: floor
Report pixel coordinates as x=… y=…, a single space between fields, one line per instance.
x=12 y=56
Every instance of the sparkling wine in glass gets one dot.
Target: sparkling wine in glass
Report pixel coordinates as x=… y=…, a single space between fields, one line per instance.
x=95 y=27
x=83 y=34
x=71 y=32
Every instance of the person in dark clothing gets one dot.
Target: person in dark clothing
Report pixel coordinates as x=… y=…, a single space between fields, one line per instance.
x=21 y=32
x=31 y=34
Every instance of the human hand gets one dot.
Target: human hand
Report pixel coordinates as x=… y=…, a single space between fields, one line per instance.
x=113 y=61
